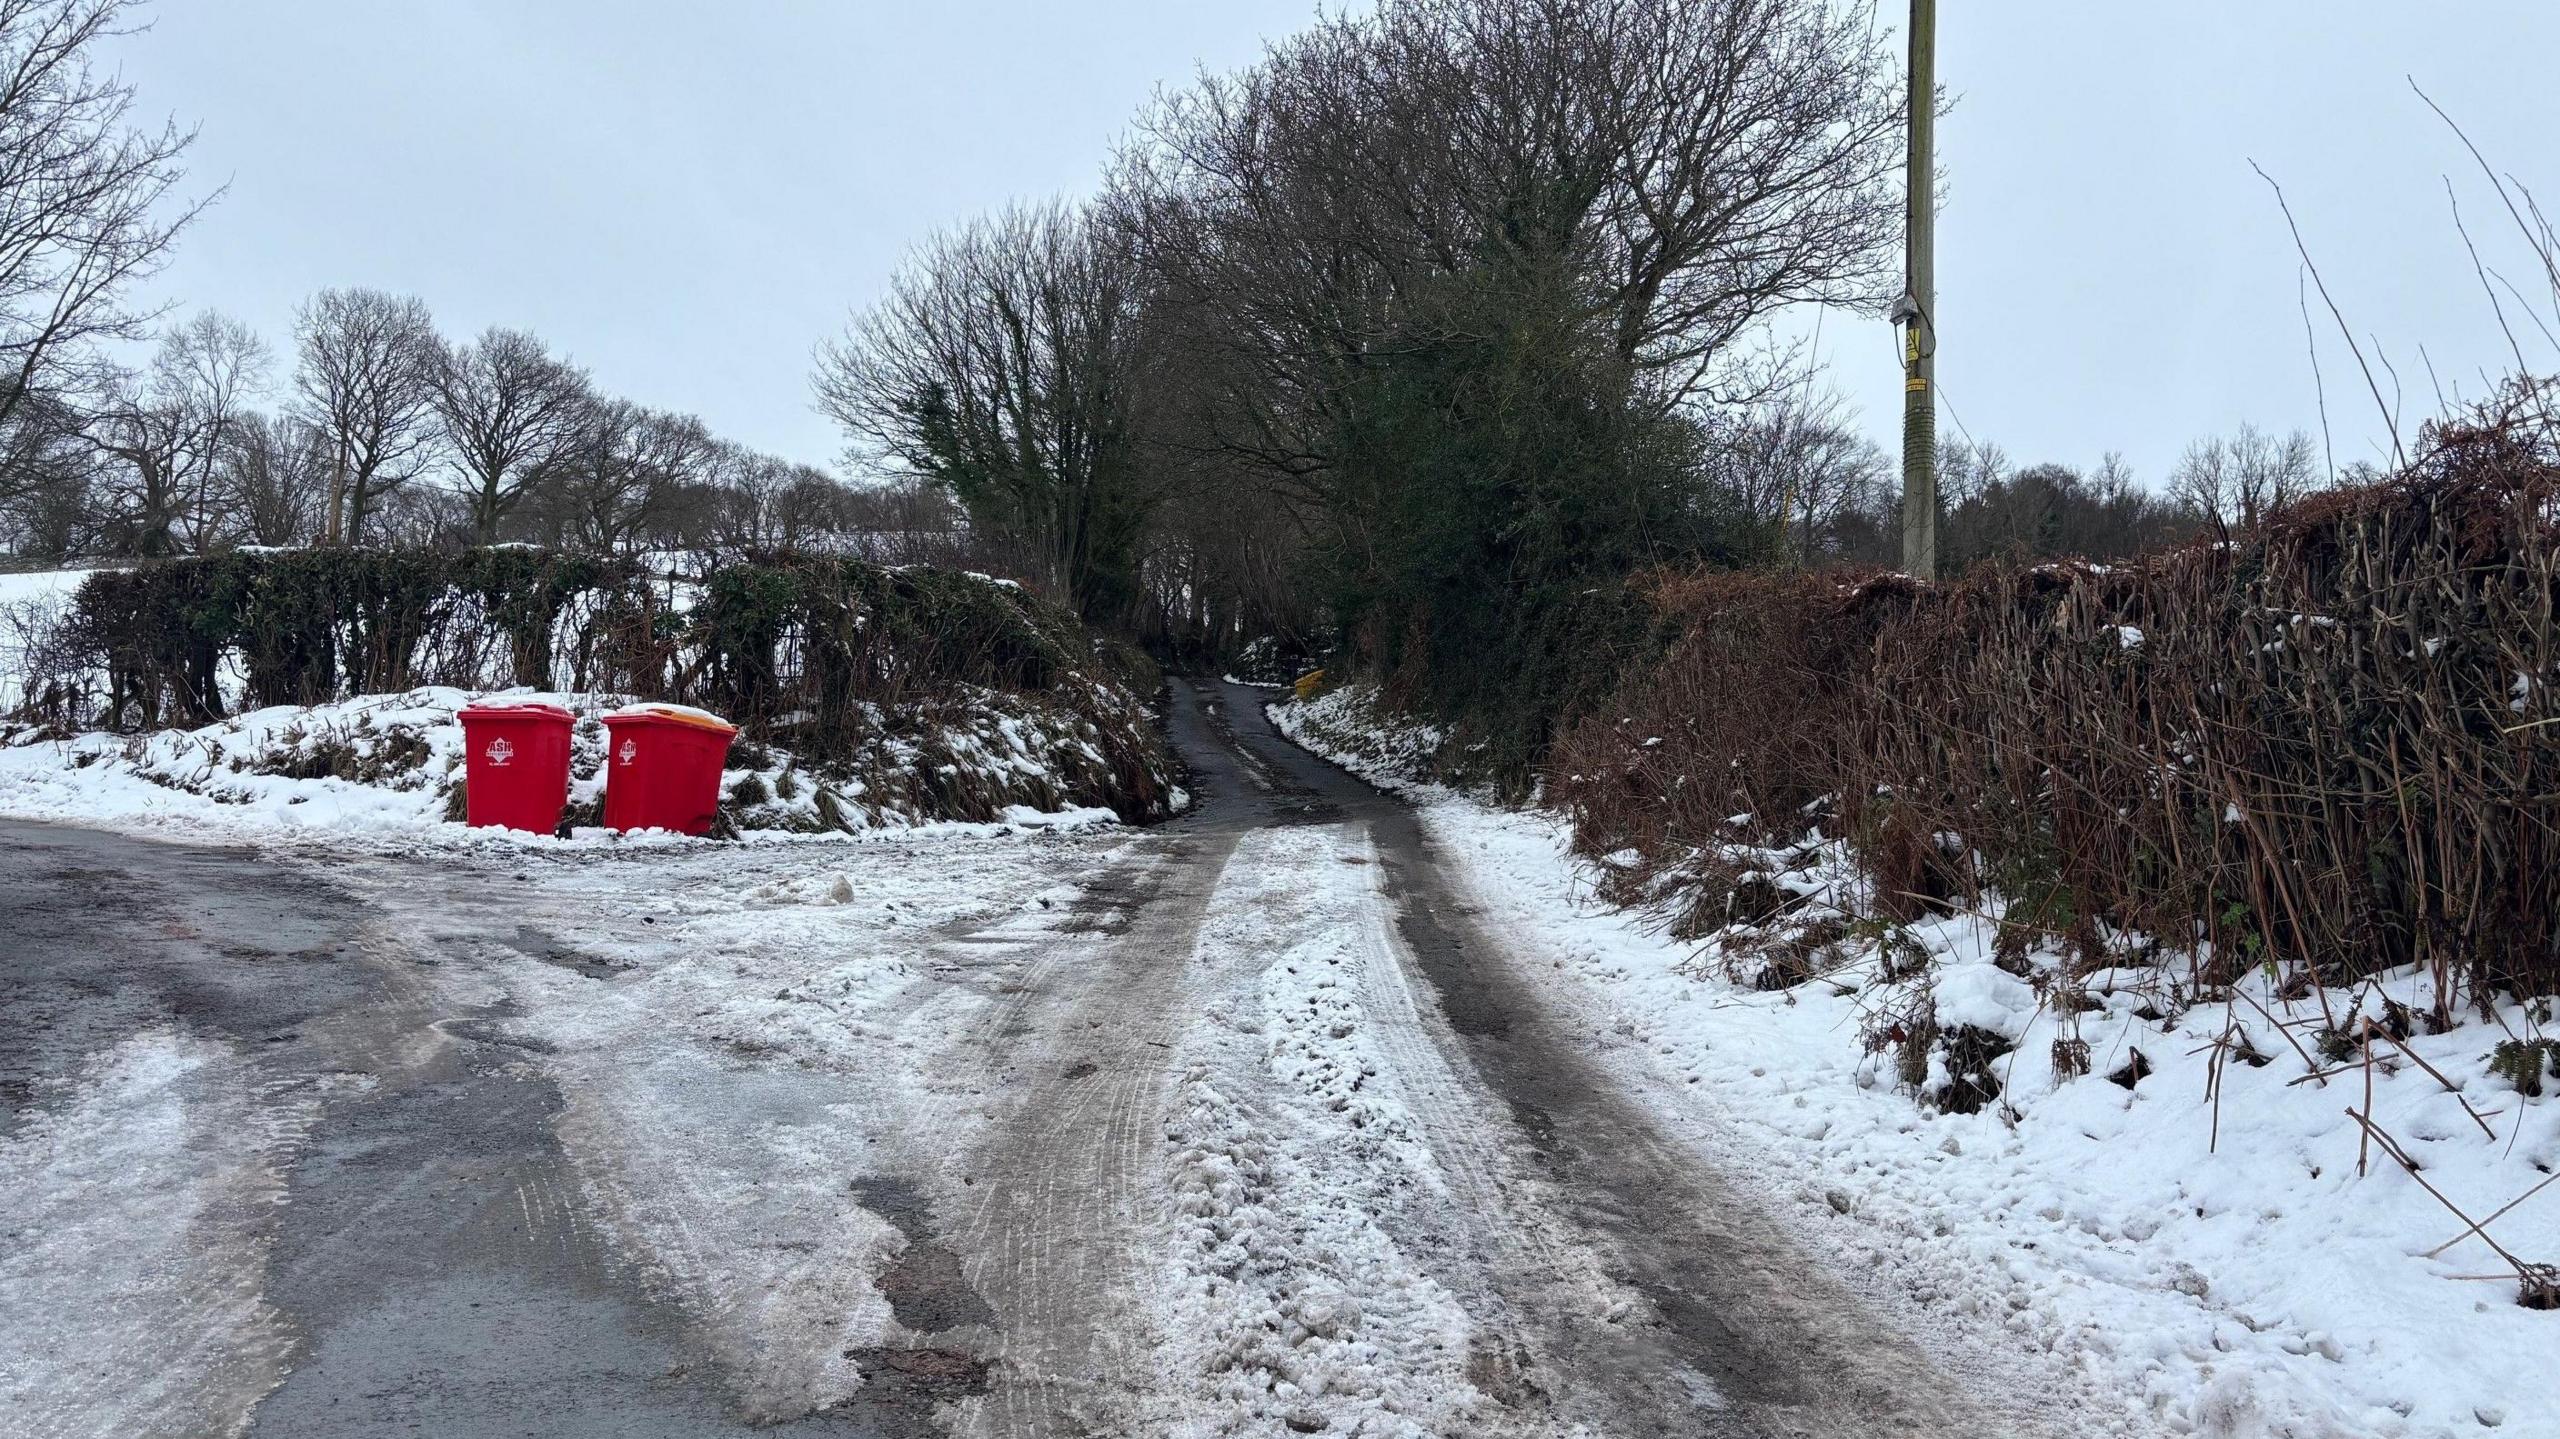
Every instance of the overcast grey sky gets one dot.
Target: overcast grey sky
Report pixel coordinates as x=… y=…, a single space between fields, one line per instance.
x=687 y=196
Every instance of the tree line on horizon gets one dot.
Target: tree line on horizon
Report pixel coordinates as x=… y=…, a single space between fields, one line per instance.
x=126 y=432
x=388 y=433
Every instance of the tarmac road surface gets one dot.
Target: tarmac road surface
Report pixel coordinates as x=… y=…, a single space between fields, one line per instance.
x=355 y=1214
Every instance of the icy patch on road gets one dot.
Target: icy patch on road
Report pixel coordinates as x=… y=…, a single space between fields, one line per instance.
x=730 y=1189
x=766 y=1032
x=134 y=1243
x=1291 y=1305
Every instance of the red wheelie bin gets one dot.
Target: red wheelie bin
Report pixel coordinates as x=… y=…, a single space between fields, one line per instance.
x=662 y=767
x=516 y=764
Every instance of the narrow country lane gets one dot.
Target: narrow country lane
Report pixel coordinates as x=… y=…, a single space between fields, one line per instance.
x=1240 y=1125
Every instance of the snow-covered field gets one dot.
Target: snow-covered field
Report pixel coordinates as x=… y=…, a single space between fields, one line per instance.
x=31 y=601
x=39 y=586
x=2195 y=1253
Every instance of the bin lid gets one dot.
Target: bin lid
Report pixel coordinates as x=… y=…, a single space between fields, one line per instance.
x=672 y=714
x=514 y=709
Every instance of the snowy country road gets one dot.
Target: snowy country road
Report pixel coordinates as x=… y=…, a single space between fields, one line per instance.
x=1240 y=1125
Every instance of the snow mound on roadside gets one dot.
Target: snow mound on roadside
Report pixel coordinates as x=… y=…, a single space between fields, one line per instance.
x=1349 y=726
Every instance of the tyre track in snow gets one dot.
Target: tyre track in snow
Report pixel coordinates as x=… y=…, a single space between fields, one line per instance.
x=1561 y=1342
x=1325 y=1258
x=1555 y=1172
x=1560 y=1336
x=1053 y=1219
x=1608 y=1286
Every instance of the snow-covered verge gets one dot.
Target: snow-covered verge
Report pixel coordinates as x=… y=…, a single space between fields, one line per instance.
x=873 y=696
x=394 y=765
x=2190 y=1247
x=1347 y=725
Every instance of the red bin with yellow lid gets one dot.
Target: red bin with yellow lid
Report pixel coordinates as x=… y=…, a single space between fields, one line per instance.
x=515 y=764
x=662 y=767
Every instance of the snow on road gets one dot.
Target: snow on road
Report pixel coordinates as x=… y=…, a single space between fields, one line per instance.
x=744 y=1036
x=1289 y=1298
x=132 y=1247
x=1163 y=1132
x=1194 y=1140
x=1131 y=1132
x=2157 y=1266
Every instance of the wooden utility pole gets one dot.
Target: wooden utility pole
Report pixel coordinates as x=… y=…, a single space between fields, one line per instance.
x=1917 y=310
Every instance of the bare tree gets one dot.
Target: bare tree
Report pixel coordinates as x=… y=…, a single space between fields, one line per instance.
x=908 y=521
x=625 y=464
x=275 y=475
x=1675 y=169
x=510 y=412
x=1797 y=466
x=165 y=431
x=1007 y=364
x=772 y=505
x=366 y=381
x=422 y=517
x=2239 y=480
x=48 y=478
x=1968 y=468
x=82 y=195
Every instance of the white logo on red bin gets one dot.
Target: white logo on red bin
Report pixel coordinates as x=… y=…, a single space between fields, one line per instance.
x=627 y=751
x=499 y=751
